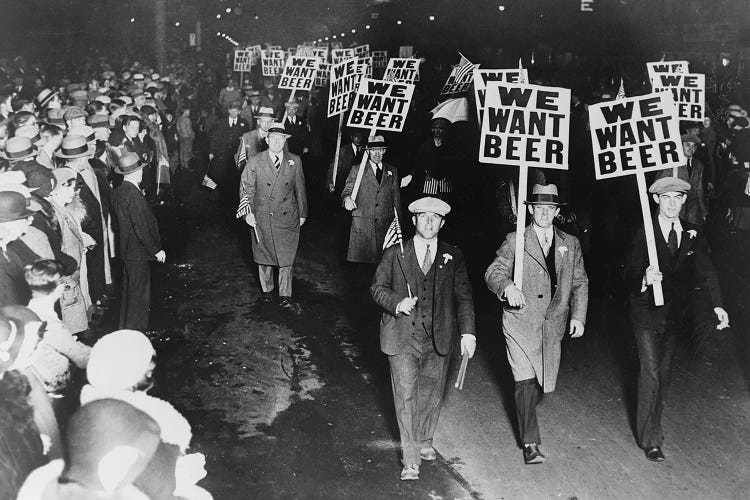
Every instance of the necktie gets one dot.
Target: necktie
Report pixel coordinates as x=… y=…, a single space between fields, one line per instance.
x=427 y=261
x=690 y=167
x=276 y=162
x=231 y=123
x=379 y=177
x=672 y=241
x=546 y=244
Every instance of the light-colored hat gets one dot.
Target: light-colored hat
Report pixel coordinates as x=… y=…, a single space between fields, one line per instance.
x=278 y=128
x=19 y=148
x=64 y=174
x=99 y=121
x=32 y=132
x=45 y=96
x=544 y=195
x=75 y=146
x=429 y=204
x=669 y=185
x=691 y=138
x=73 y=112
x=104 y=99
x=128 y=163
x=376 y=141
x=126 y=99
x=56 y=116
x=265 y=112
x=119 y=360
x=138 y=76
x=291 y=104
x=84 y=131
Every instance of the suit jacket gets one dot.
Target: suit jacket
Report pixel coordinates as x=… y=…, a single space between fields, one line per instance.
x=691 y=267
x=299 y=135
x=13 y=287
x=224 y=139
x=453 y=307
x=278 y=200
x=539 y=327
x=374 y=212
x=347 y=158
x=137 y=228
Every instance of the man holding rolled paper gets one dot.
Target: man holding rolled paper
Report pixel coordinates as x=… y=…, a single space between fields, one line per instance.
x=425 y=293
x=684 y=262
x=553 y=301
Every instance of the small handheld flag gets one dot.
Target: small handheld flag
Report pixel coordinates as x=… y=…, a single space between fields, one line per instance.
x=393 y=235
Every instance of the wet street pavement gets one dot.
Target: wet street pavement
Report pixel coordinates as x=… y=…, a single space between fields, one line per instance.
x=299 y=406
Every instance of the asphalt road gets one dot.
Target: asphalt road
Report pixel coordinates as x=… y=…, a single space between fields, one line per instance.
x=299 y=406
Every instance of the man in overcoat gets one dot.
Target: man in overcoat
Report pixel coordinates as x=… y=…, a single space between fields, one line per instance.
x=140 y=243
x=684 y=262
x=225 y=138
x=535 y=320
x=274 y=184
x=372 y=211
x=425 y=295
x=254 y=141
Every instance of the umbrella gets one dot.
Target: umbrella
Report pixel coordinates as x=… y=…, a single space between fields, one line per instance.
x=453 y=110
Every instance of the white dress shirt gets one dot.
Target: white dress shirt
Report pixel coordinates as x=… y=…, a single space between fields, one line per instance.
x=542 y=233
x=420 y=248
x=274 y=156
x=375 y=167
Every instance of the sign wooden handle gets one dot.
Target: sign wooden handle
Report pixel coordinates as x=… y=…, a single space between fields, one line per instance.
x=361 y=172
x=338 y=149
x=648 y=226
x=523 y=180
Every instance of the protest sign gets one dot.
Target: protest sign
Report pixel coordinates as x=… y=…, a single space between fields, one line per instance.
x=654 y=68
x=381 y=105
x=364 y=66
x=362 y=50
x=243 y=60
x=299 y=73
x=344 y=82
x=275 y=47
x=525 y=125
x=336 y=45
x=406 y=51
x=688 y=91
x=634 y=135
x=305 y=51
x=460 y=78
x=291 y=51
x=273 y=62
x=379 y=58
x=402 y=69
x=321 y=53
x=321 y=76
x=483 y=76
x=341 y=55
x=255 y=53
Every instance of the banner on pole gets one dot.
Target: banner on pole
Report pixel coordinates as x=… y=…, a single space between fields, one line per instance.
x=341 y=55
x=635 y=133
x=654 y=68
x=255 y=53
x=402 y=69
x=688 y=91
x=483 y=76
x=379 y=58
x=321 y=76
x=381 y=105
x=362 y=50
x=273 y=62
x=526 y=125
x=344 y=81
x=243 y=60
x=299 y=73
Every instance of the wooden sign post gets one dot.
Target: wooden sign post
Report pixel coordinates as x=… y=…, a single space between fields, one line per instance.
x=344 y=80
x=633 y=136
x=524 y=125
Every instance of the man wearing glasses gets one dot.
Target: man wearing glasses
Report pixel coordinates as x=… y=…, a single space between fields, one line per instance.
x=425 y=296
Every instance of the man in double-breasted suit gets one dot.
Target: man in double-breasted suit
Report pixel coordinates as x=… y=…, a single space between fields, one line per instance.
x=425 y=295
x=140 y=243
x=684 y=262
x=555 y=287
x=255 y=141
x=372 y=211
x=274 y=184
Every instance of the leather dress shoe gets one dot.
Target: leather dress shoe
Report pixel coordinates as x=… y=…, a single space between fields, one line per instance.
x=428 y=454
x=410 y=472
x=266 y=297
x=532 y=455
x=655 y=454
x=287 y=303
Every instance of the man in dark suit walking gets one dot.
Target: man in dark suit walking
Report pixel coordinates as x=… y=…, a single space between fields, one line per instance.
x=225 y=138
x=684 y=262
x=426 y=298
x=140 y=243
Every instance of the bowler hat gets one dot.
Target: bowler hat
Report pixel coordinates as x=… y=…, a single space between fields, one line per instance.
x=376 y=141
x=544 y=195
x=19 y=148
x=429 y=204
x=129 y=163
x=669 y=185
x=75 y=146
x=13 y=206
x=278 y=128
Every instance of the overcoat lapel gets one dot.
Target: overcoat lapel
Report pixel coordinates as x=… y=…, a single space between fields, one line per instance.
x=533 y=247
x=407 y=262
x=662 y=250
x=561 y=240
x=686 y=244
x=440 y=268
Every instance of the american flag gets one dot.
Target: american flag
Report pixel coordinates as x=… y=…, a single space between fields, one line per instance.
x=241 y=154
x=244 y=207
x=209 y=182
x=621 y=91
x=393 y=235
x=460 y=76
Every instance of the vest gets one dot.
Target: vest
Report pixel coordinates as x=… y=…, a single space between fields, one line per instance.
x=549 y=260
x=422 y=313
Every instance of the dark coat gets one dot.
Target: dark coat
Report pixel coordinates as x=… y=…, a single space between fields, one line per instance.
x=300 y=137
x=536 y=330
x=278 y=201
x=692 y=267
x=374 y=212
x=453 y=307
x=136 y=225
x=253 y=144
x=347 y=158
x=223 y=145
x=13 y=287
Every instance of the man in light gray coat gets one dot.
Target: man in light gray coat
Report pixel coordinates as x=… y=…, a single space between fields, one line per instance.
x=273 y=185
x=555 y=287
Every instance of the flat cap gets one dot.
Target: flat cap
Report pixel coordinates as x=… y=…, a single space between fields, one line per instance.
x=691 y=138
x=669 y=185
x=429 y=204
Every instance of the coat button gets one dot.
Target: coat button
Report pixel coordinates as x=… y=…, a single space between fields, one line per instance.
x=271 y=213
x=269 y=184
x=377 y=204
x=284 y=213
x=540 y=296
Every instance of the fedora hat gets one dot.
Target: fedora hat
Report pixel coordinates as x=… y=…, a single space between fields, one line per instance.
x=544 y=195
x=13 y=206
x=265 y=112
x=99 y=121
x=129 y=163
x=19 y=148
x=75 y=146
x=376 y=141
x=55 y=117
x=45 y=96
x=84 y=131
x=278 y=128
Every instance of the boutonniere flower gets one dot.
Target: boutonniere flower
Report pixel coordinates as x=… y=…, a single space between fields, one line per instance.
x=389 y=172
x=693 y=233
x=291 y=163
x=446 y=258
x=562 y=249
